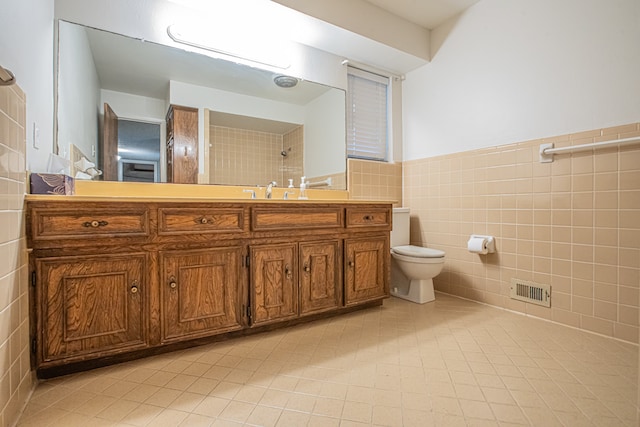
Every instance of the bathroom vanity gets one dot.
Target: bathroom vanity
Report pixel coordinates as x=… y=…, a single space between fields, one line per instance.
x=114 y=279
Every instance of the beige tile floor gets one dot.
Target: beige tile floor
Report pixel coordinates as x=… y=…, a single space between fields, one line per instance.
x=452 y=363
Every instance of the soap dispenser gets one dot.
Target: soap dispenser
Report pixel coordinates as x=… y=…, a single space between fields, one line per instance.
x=290 y=183
x=303 y=189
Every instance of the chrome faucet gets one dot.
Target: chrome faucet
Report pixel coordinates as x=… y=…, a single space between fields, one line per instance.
x=267 y=194
x=253 y=193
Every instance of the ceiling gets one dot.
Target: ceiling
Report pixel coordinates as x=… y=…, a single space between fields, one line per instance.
x=426 y=13
x=342 y=28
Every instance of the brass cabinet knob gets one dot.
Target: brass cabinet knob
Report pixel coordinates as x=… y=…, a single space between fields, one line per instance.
x=306 y=268
x=95 y=223
x=203 y=220
x=351 y=264
x=134 y=287
x=172 y=282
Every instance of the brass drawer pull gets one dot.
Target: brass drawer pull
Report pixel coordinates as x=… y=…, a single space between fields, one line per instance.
x=368 y=217
x=95 y=224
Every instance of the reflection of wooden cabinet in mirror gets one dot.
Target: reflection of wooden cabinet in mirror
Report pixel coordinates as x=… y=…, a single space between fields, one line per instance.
x=182 y=145
x=109 y=145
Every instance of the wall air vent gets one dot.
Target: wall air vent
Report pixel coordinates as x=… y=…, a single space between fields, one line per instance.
x=531 y=292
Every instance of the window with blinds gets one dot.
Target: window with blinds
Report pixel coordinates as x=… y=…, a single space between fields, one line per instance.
x=367 y=115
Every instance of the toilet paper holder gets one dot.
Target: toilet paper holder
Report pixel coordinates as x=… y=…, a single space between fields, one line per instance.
x=489 y=243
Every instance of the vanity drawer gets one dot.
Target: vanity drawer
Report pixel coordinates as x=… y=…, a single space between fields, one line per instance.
x=94 y=223
x=298 y=218
x=200 y=220
x=368 y=217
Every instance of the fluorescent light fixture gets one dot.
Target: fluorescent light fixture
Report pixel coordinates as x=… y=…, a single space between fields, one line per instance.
x=255 y=46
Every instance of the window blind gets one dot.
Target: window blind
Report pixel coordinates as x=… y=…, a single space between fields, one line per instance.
x=366 y=115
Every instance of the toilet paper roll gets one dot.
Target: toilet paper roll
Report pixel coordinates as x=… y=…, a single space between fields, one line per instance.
x=477 y=245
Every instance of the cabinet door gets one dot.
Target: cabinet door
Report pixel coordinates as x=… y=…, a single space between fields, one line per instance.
x=199 y=291
x=274 y=283
x=319 y=276
x=366 y=269
x=91 y=305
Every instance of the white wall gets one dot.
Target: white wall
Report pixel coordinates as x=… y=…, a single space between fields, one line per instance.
x=324 y=135
x=26 y=48
x=235 y=103
x=509 y=71
x=79 y=93
x=134 y=107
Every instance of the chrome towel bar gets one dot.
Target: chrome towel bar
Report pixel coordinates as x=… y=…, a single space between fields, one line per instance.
x=547 y=151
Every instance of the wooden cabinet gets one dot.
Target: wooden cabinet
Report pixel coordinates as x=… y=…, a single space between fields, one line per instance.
x=91 y=305
x=93 y=222
x=292 y=280
x=200 y=220
x=320 y=276
x=119 y=279
x=366 y=269
x=368 y=217
x=274 y=283
x=200 y=294
x=182 y=145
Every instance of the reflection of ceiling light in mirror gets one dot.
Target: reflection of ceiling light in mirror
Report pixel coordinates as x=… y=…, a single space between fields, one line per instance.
x=259 y=21
x=285 y=81
x=248 y=29
x=234 y=42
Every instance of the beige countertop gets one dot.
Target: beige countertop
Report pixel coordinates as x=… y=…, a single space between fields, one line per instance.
x=97 y=191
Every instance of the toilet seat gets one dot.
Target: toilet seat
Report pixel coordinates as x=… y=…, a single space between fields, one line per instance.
x=417 y=251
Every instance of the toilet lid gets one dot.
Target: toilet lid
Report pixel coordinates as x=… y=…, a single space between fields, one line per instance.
x=417 y=251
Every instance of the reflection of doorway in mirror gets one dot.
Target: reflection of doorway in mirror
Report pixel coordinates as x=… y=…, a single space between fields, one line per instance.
x=138 y=151
x=138 y=171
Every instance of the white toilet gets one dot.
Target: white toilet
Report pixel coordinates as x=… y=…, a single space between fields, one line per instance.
x=412 y=267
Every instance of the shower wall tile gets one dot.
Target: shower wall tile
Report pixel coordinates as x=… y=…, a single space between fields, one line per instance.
x=572 y=224
x=247 y=157
x=16 y=378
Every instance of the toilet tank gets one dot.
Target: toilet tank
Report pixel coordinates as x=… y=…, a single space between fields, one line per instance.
x=400 y=230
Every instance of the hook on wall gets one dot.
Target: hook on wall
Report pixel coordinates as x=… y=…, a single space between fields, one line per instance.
x=6 y=77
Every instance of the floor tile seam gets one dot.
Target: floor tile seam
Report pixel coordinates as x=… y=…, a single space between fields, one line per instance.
x=29 y=418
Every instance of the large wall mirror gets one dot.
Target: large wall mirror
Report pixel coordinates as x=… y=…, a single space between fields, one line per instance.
x=250 y=130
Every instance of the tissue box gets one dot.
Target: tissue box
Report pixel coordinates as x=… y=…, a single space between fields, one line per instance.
x=52 y=183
